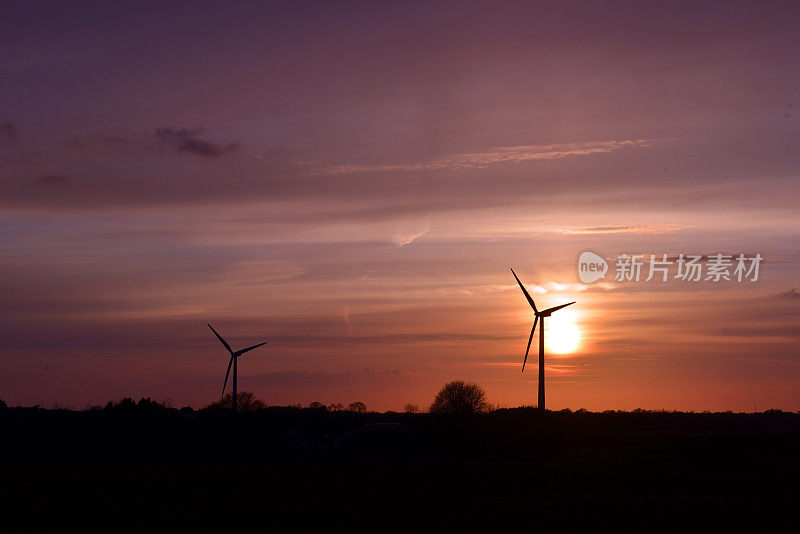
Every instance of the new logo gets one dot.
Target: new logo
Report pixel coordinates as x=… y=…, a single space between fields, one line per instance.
x=591 y=267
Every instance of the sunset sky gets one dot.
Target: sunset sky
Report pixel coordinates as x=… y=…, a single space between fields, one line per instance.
x=352 y=181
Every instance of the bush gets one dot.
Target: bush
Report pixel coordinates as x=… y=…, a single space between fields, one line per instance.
x=246 y=401
x=358 y=407
x=460 y=397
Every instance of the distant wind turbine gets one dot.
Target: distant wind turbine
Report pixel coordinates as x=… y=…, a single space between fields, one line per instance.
x=538 y=314
x=233 y=361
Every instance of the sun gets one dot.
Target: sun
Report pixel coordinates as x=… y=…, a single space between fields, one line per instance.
x=562 y=334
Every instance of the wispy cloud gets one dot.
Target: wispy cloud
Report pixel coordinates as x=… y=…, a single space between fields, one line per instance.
x=557 y=287
x=346 y=317
x=499 y=155
x=788 y=331
x=161 y=139
x=638 y=229
x=401 y=239
x=186 y=140
x=564 y=369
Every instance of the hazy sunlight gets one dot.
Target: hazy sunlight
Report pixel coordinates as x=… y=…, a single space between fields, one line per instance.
x=562 y=334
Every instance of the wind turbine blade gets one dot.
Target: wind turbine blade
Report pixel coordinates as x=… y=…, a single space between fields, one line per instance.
x=555 y=308
x=527 y=296
x=221 y=340
x=530 y=338
x=240 y=352
x=227 y=374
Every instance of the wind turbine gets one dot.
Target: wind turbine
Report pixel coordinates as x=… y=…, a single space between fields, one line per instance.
x=233 y=361
x=538 y=314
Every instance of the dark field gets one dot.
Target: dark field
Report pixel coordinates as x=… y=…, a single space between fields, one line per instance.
x=145 y=468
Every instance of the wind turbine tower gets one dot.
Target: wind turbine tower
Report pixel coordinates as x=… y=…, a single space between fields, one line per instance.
x=538 y=315
x=234 y=361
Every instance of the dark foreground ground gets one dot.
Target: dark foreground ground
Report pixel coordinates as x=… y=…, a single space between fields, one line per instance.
x=151 y=470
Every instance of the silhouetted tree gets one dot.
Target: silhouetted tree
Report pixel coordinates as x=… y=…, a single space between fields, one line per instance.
x=146 y=403
x=411 y=408
x=460 y=397
x=336 y=407
x=357 y=406
x=125 y=403
x=317 y=406
x=246 y=401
